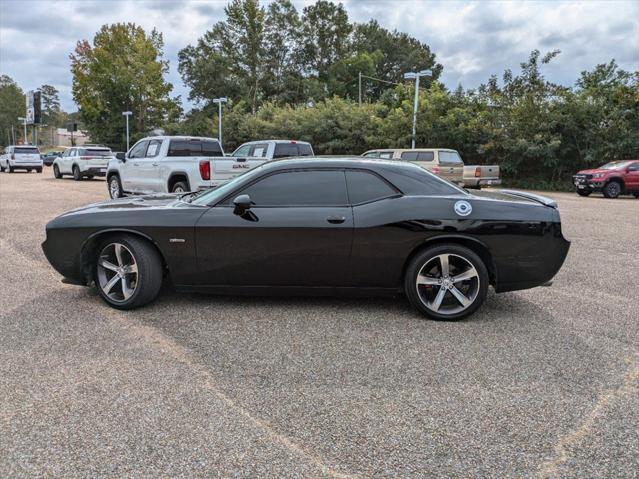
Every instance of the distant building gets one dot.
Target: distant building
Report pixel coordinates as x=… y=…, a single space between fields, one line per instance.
x=63 y=137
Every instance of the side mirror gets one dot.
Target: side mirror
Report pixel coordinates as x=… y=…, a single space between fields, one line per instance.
x=242 y=203
x=120 y=156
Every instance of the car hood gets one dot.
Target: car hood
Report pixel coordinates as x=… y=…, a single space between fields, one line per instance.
x=159 y=201
x=590 y=172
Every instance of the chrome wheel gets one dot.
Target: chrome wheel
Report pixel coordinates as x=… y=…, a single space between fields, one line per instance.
x=447 y=284
x=178 y=189
x=117 y=272
x=114 y=187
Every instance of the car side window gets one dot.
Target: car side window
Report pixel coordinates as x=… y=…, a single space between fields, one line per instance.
x=634 y=167
x=371 y=154
x=300 y=188
x=259 y=150
x=450 y=158
x=409 y=155
x=243 y=150
x=284 y=150
x=387 y=155
x=364 y=187
x=153 y=149
x=425 y=156
x=139 y=150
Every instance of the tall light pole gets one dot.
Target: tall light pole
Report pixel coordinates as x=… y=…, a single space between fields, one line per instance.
x=416 y=76
x=127 y=114
x=219 y=102
x=24 y=123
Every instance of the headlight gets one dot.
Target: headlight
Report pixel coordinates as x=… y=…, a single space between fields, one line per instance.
x=598 y=175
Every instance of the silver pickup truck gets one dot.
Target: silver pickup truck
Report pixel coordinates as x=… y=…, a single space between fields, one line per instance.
x=476 y=176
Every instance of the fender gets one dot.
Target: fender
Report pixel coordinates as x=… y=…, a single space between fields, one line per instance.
x=177 y=173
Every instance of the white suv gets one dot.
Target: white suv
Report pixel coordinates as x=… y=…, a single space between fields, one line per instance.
x=174 y=164
x=82 y=162
x=21 y=157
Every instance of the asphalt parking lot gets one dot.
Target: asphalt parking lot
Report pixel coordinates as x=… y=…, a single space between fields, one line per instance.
x=539 y=383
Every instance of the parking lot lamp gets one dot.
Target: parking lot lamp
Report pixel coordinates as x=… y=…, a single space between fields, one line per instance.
x=219 y=102
x=416 y=76
x=127 y=114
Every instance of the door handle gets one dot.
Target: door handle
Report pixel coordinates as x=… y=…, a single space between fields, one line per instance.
x=155 y=164
x=136 y=164
x=336 y=220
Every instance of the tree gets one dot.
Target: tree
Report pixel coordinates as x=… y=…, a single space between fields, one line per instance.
x=52 y=114
x=13 y=104
x=326 y=31
x=227 y=59
x=123 y=70
x=395 y=53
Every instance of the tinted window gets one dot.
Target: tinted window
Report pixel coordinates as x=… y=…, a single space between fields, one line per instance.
x=194 y=147
x=418 y=155
x=283 y=150
x=371 y=154
x=364 y=186
x=95 y=152
x=634 y=167
x=414 y=180
x=139 y=150
x=300 y=188
x=450 y=158
x=259 y=150
x=26 y=151
x=304 y=150
x=154 y=148
x=387 y=155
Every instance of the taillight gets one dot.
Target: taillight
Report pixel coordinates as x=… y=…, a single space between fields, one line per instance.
x=85 y=157
x=205 y=169
x=436 y=170
x=477 y=172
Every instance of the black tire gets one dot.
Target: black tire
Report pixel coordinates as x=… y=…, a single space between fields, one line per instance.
x=39 y=170
x=149 y=272
x=28 y=170
x=10 y=168
x=477 y=287
x=636 y=195
x=2 y=169
x=584 y=192
x=116 y=191
x=180 y=187
x=56 y=172
x=612 y=189
x=77 y=176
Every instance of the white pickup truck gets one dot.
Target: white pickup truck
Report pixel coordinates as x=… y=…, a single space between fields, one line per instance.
x=176 y=164
x=173 y=164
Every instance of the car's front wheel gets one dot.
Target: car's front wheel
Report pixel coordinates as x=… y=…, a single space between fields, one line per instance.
x=636 y=195
x=446 y=282
x=115 y=187
x=128 y=272
x=584 y=192
x=612 y=189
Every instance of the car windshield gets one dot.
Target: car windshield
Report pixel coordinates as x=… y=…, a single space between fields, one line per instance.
x=211 y=196
x=613 y=165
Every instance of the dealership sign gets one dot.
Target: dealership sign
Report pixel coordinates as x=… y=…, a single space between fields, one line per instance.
x=34 y=109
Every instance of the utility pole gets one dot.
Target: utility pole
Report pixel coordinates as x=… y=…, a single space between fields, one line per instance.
x=360 y=88
x=416 y=76
x=24 y=124
x=219 y=102
x=127 y=114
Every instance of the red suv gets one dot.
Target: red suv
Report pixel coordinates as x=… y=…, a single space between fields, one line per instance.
x=612 y=179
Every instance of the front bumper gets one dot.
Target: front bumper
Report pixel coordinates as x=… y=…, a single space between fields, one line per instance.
x=588 y=184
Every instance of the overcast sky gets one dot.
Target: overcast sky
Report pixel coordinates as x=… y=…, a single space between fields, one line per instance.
x=471 y=39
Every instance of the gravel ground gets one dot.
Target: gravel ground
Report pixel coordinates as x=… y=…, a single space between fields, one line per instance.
x=539 y=383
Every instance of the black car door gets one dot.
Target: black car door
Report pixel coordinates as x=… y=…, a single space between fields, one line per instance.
x=297 y=233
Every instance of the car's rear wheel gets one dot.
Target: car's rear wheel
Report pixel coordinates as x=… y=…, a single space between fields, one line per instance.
x=128 y=272
x=180 y=187
x=584 y=192
x=39 y=170
x=28 y=170
x=1 y=169
x=56 y=172
x=115 y=188
x=636 y=195
x=10 y=168
x=77 y=176
x=446 y=282
x=612 y=189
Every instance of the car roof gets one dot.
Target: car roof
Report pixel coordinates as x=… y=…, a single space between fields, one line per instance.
x=276 y=141
x=401 y=150
x=178 y=137
x=339 y=162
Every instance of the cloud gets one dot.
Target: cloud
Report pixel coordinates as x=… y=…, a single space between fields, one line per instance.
x=471 y=39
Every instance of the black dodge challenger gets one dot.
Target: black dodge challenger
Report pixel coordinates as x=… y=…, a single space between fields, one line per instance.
x=315 y=226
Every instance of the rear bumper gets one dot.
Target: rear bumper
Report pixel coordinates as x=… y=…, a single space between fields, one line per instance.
x=24 y=166
x=482 y=181
x=94 y=170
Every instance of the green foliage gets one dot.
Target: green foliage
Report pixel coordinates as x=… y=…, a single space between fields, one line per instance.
x=122 y=71
x=13 y=104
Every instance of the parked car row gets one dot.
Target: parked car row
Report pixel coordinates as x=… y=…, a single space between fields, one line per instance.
x=21 y=157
